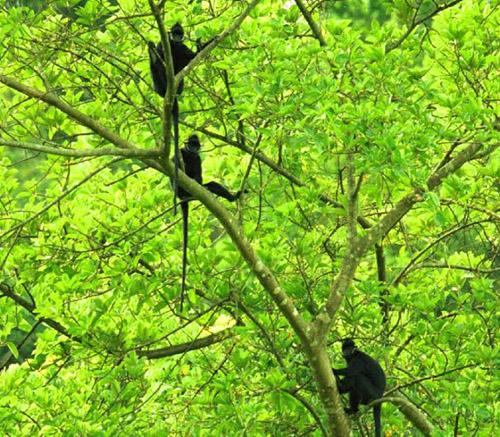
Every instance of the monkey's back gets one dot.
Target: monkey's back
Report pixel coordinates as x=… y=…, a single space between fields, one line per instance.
x=373 y=371
x=192 y=167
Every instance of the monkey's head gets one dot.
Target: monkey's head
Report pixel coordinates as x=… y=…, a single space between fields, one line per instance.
x=177 y=32
x=348 y=348
x=193 y=144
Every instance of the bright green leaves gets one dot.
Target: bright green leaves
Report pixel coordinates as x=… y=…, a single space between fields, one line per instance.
x=104 y=262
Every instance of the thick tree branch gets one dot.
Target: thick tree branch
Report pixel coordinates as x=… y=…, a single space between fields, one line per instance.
x=187 y=346
x=80 y=117
x=312 y=24
x=200 y=343
x=172 y=82
x=82 y=153
x=7 y=291
x=76 y=115
x=411 y=412
x=262 y=272
x=351 y=260
x=402 y=207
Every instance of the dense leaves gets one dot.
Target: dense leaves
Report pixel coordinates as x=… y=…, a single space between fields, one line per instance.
x=324 y=130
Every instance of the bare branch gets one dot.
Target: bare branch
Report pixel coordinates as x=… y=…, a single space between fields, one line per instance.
x=430 y=378
x=75 y=153
x=416 y=23
x=456 y=267
x=312 y=24
x=186 y=347
x=411 y=412
x=295 y=394
x=80 y=117
x=410 y=264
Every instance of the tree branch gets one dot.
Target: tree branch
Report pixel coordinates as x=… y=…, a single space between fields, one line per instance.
x=309 y=407
x=415 y=23
x=429 y=378
x=172 y=82
x=456 y=267
x=187 y=346
x=411 y=412
x=7 y=291
x=261 y=271
x=80 y=117
x=406 y=203
x=312 y=24
x=215 y=42
x=410 y=264
x=376 y=233
x=75 y=153
x=56 y=200
x=365 y=223
x=264 y=275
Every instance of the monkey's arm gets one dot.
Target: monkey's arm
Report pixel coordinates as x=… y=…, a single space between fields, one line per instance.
x=340 y=372
x=354 y=367
x=182 y=55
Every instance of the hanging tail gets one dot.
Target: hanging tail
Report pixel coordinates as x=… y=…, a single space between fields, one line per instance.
x=377 y=409
x=177 y=157
x=185 y=214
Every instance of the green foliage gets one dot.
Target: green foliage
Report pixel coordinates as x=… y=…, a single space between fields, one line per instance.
x=99 y=266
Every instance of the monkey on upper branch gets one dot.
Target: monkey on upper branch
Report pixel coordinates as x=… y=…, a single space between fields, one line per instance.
x=364 y=380
x=181 y=57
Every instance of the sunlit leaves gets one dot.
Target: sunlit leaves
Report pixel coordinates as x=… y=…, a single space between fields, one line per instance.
x=105 y=261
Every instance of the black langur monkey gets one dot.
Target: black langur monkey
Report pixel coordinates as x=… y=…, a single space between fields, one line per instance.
x=181 y=56
x=192 y=166
x=364 y=380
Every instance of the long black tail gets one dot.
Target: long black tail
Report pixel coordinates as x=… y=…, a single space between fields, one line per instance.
x=185 y=214
x=377 y=409
x=177 y=157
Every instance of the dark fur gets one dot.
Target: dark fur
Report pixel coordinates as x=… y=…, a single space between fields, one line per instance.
x=181 y=57
x=192 y=166
x=364 y=380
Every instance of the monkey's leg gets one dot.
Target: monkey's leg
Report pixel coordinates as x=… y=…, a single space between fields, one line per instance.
x=354 y=399
x=367 y=390
x=221 y=191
